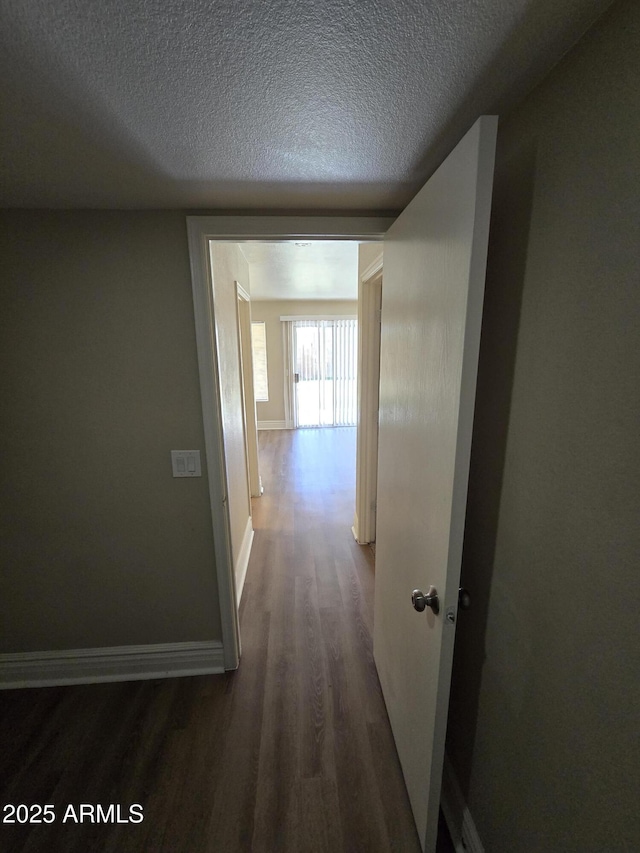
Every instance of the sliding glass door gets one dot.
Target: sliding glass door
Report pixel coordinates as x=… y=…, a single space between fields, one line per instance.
x=325 y=364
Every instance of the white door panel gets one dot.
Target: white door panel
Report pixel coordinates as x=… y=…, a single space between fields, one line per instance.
x=434 y=267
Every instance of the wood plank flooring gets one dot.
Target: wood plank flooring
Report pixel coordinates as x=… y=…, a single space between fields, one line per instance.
x=291 y=753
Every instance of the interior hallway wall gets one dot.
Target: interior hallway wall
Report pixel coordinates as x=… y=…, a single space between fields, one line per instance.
x=100 y=546
x=543 y=726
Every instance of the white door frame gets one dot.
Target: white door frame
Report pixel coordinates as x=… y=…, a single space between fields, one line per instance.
x=370 y=318
x=245 y=349
x=289 y=381
x=201 y=231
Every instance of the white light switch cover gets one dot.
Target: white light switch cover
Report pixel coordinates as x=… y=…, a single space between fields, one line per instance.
x=186 y=463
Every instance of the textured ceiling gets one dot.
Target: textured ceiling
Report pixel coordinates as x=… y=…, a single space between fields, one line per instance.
x=320 y=269
x=335 y=105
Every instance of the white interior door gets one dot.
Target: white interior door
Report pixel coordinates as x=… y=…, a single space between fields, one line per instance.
x=434 y=270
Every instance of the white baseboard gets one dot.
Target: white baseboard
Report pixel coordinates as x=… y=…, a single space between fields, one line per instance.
x=354 y=528
x=118 y=663
x=242 y=563
x=272 y=425
x=462 y=828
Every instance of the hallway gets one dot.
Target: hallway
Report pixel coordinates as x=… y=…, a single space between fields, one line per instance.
x=328 y=775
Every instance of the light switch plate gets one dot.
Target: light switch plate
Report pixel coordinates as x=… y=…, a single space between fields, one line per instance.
x=186 y=463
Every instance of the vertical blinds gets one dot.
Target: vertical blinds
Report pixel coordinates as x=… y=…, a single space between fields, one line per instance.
x=325 y=358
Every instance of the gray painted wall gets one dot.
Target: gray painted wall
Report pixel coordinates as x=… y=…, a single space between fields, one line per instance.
x=100 y=546
x=543 y=726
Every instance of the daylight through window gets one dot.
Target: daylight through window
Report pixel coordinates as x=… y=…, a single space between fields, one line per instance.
x=259 y=348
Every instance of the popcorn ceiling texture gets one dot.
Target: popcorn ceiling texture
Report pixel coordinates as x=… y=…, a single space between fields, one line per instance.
x=344 y=104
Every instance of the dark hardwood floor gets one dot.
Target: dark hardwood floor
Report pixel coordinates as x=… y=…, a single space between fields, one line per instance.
x=292 y=752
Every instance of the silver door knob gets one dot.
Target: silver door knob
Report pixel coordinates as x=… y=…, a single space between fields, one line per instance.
x=421 y=601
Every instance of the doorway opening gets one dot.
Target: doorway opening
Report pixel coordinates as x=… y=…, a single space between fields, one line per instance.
x=220 y=250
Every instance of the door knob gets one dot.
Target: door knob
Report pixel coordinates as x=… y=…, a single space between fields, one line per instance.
x=464 y=599
x=420 y=601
